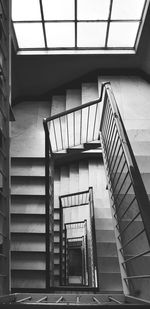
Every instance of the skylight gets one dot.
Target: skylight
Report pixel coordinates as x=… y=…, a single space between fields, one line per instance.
x=78 y=24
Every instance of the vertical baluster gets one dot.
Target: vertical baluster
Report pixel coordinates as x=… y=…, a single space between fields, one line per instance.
x=67 y=130
x=74 y=128
x=61 y=132
x=95 y=121
x=81 y=126
x=55 y=135
x=87 y=128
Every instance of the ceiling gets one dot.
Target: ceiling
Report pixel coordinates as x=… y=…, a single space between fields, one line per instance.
x=35 y=75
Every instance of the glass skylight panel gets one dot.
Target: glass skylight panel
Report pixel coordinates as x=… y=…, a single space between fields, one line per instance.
x=60 y=34
x=92 y=9
x=122 y=34
x=29 y=35
x=91 y=34
x=25 y=10
x=127 y=9
x=58 y=24
x=58 y=9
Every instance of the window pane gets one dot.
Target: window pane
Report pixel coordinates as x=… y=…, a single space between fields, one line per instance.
x=92 y=9
x=29 y=35
x=26 y=10
x=127 y=9
x=122 y=34
x=91 y=34
x=60 y=34
x=58 y=9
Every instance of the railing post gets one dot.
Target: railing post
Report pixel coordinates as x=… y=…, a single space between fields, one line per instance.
x=65 y=270
x=61 y=239
x=93 y=237
x=49 y=241
x=47 y=213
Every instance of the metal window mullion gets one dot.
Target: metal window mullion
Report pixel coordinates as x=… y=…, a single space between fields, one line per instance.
x=75 y=13
x=108 y=26
x=43 y=23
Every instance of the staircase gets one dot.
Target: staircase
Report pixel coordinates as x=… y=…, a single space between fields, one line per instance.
x=78 y=166
x=28 y=266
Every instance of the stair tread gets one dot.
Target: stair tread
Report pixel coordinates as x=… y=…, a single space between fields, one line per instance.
x=73 y=98
x=89 y=92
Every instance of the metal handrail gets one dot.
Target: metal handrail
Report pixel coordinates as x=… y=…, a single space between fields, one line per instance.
x=49 y=125
x=123 y=178
x=75 y=109
x=137 y=182
x=72 y=194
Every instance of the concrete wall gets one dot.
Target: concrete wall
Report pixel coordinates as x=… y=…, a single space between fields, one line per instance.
x=27 y=132
x=132 y=94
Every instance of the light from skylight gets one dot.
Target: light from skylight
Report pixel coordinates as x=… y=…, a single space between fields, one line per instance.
x=25 y=10
x=92 y=9
x=127 y=9
x=29 y=35
x=91 y=34
x=122 y=34
x=60 y=34
x=58 y=9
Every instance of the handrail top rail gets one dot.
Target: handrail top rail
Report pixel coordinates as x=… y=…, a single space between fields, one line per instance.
x=75 y=222
x=75 y=193
x=78 y=237
x=72 y=110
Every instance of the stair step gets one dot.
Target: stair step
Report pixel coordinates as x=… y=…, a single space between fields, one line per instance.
x=74 y=178
x=105 y=235
x=83 y=175
x=28 y=224
x=58 y=104
x=139 y=135
x=104 y=224
x=75 y=150
x=28 y=185
x=106 y=249
x=110 y=282
x=108 y=264
x=27 y=131
x=28 y=278
x=141 y=148
x=64 y=180
x=28 y=204
x=92 y=145
x=27 y=166
x=89 y=92
x=73 y=98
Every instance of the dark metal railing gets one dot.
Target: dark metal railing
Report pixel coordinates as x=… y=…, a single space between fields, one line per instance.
x=81 y=226
x=75 y=199
x=130 y=203
x=93 y=239
x=49 y=212
x=74 y=127
x=79 y=199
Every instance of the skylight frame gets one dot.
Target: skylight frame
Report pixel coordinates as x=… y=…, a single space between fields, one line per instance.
x=76 y=21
